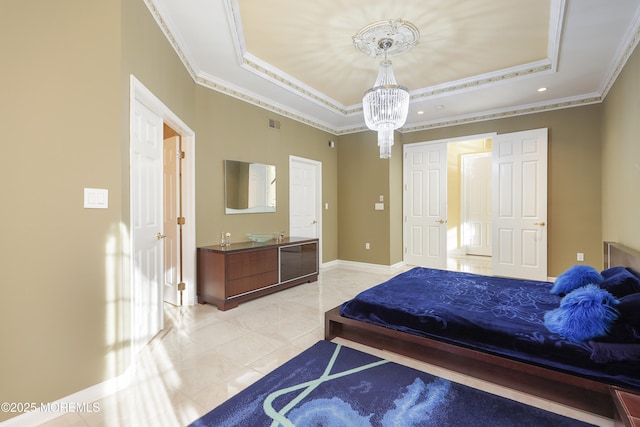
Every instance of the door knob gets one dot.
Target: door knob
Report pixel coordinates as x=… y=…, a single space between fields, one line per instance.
x=440 y=221
x=314 y=222
x=539 y=223
x=160 y=236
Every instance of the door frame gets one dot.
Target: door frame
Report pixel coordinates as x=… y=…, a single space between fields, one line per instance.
x=143 y=95
x=405 y=171
x=317 y=167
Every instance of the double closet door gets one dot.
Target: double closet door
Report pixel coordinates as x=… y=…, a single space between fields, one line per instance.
x=519 y=204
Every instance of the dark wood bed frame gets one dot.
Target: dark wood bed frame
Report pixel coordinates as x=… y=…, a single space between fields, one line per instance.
x=577 y=392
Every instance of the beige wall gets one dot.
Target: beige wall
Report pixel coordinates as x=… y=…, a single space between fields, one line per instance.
x=61 y=130
x=363 y=178
x=230 y=129
x=621 y=158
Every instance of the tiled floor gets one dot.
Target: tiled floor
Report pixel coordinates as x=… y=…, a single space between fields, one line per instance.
x=204 y=356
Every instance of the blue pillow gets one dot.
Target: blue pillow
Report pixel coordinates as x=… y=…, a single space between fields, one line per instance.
x=620 y=282
x=612 y=271
x=576 y=277
x=584 y=314
x=629 y=309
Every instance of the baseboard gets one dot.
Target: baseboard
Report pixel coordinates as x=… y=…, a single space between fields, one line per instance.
x=81 y=401
x=364 y=266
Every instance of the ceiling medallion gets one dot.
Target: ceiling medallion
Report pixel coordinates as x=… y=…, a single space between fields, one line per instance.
x=386 y=104
x=399 y=35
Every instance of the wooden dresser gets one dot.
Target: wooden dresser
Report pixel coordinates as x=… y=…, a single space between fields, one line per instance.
x=247 y=270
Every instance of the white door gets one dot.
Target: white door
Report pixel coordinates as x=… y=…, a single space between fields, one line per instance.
x=305 y=177
x=520 y=205
x=171 y=214
x=425 y=205
x=146 y=224
x=476 y=204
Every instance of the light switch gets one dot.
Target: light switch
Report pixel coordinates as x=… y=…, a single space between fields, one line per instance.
x=96 y=198
x=381 y=198
x=326 y=206
x=379 y=206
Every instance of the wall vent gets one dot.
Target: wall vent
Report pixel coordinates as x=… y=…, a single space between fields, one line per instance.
x=274 y=124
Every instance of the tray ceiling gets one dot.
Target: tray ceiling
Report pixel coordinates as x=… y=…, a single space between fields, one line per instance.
x=471 y=63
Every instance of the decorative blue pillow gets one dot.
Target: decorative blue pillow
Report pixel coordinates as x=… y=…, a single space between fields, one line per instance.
x=629 y=309
x=576 y=277
x=586 y=313
x=613 y=271
x=620 y=282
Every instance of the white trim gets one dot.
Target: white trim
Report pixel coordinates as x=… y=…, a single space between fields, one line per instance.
x=145 y=96
x=456 y=139
x=364 y=266
x=83 y=397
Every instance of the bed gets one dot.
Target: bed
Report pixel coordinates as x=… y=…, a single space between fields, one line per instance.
x=491 y=328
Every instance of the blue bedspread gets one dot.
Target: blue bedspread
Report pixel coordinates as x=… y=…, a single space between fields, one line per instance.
x=493 y=314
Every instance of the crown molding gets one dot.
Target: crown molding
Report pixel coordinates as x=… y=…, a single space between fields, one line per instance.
x=511 y=112
x=632 y=39
x=274 y=75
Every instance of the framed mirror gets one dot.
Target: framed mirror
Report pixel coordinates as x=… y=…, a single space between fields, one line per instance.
x=249 y=187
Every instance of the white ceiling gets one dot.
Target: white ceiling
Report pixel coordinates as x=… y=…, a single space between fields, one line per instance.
x=474 y=60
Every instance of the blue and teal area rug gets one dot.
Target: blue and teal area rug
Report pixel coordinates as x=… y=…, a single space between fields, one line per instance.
x=332 y=385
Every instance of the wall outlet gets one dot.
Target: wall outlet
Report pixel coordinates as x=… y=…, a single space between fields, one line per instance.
x=580 y=256
x=367 y=246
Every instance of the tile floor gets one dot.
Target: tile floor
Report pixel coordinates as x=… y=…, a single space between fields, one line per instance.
x=204 y=356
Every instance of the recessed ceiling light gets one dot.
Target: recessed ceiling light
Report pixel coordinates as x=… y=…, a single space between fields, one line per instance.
x=542 y=89
x=439 y=107
x=420 y=112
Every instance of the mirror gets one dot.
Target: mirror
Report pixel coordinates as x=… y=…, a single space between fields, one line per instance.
x=249 y=187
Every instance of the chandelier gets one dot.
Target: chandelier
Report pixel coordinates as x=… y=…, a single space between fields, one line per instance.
x=386 y=104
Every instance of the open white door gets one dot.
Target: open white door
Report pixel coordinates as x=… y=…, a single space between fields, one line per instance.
x=425 y=205
x=476 y=204
x=146 y=224
x=171 y=213
x=520 y=205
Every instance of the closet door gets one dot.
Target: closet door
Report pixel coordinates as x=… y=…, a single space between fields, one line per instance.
x=425 y=205
x=520 y=205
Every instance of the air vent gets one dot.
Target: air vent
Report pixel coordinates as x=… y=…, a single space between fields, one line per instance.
x=274 y=124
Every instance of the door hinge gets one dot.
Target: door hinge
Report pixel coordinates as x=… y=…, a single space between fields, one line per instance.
x=181 y=220
x=182 y=286
x=180 y=154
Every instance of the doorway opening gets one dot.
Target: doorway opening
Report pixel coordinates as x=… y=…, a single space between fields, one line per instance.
x=149 y=118
x=173 y=278
x=469 y=205
x=434 y=202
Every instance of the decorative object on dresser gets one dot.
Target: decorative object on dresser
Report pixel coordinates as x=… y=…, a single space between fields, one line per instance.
x=243 y=271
